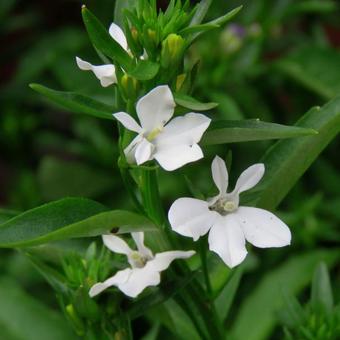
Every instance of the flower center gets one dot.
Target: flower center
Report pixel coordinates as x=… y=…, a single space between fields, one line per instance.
x=154 y=133
x=138 y=260
x=224 y=206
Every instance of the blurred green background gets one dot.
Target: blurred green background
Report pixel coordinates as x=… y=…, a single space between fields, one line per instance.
x=277 y=59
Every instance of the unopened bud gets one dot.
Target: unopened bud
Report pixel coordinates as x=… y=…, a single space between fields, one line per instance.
x=76 y=321
x=129 y=86
x=172 y=50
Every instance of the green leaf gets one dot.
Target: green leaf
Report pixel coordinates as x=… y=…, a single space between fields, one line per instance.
x=225 y=299
x=145 y=70
x=201 y=12
x=198 y=29
x=192 y=104
x=314 y=67
x=102 y=40
x=7 y=215
x=67 y=218
x=256 y=318
x=322 y=296
x=120 y=6
x=223 y=19
x=25 y=318
x=312 y=6
x=229 y=131
x=286 y=161
x=75 y=102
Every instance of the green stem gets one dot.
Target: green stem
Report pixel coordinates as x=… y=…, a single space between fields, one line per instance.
x=151 y=198
x=205 y=267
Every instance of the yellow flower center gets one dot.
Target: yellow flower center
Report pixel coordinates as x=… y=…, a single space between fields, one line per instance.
x=154 y=133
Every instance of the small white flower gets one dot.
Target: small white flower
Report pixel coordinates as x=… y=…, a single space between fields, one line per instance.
x=106 y=73
x=230 y=225
x=145 y=267
x=172 y=144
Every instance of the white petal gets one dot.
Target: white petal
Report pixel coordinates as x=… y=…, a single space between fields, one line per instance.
x=262 y=228
x=249 y=178
x=105 y=73
x=144 y=151
x=130 y=150
x=172 y=158
x=191 y=217
x=117 y=34
x=185 y=130
x=156 y=108
x=120 y=278
x=220 y=174
x=127 y=121
x=138 y=237
x=116 y=244
x=139 y=279
x=163 y=260
x=227 y=240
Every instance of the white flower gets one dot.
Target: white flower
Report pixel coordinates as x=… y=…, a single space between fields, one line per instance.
x=106 y=73
x=145 y=267
x=230 y=225
x=172 y=145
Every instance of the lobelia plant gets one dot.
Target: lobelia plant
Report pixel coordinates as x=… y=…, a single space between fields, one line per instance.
x=145 y=62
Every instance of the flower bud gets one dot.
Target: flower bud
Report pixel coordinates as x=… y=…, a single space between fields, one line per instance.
x=172 y=50
x=129 y=86
x=76 y=321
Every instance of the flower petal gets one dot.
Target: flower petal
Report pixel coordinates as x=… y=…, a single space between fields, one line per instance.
x=130 y=150
x=172 y=158
x=156 y=108
x=163 y=260
x=138 y=237
x=144 y=151
x=227 y=240
x=116 y=244
x=185 y=130
x=139 y=279
x=127 y=121
x=191 y=217
x=220 y=174
x=262 y=228
x=249 y=178
x=117 y=34
x=105 y=73
x=119 y=278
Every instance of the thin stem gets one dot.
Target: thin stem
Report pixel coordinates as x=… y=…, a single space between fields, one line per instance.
x=205 y=267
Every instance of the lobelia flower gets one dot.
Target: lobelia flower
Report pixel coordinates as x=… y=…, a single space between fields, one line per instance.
x=145 y=267
x=173 y=144
x=229 y=224
x=106 y=73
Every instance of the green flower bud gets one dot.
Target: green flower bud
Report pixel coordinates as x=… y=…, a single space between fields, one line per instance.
x=172 y=50
x=76 y=321
x=129 y=86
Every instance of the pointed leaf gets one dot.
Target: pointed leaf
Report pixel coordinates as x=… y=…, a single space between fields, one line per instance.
x=230 y=131
x=322 y=296
x=75 y=102
x=193 y=104
x=294 y=156
x=67 y=218
x=201 y=12
x=102 y=40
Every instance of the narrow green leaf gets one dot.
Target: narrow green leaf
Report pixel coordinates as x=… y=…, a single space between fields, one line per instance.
x=286 y=161
x=145 y=70
x=264 y=300
x=120 y=6
x=201 y=12
x=67 y=218
x=193 y=104
x=198 y=29
x=223 y=19
x=75 y=102
x=225 y=299
x=102 y=40
x=28 y=319
x=322 y=296
x=229 y=131
x=6 y=215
